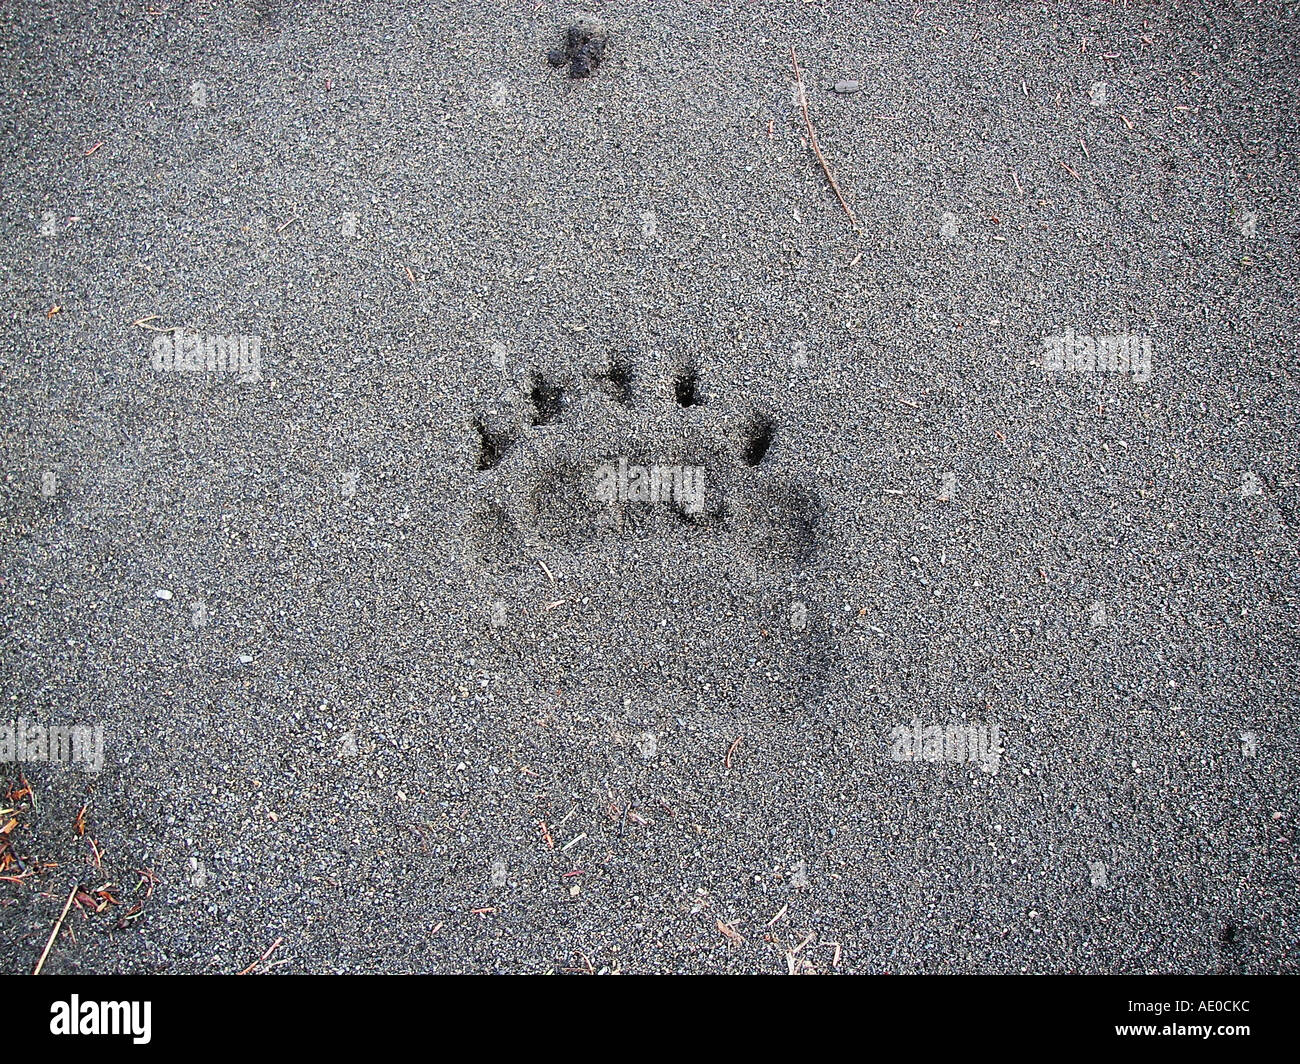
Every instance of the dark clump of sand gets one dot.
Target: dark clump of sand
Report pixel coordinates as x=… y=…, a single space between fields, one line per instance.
x=584 y=48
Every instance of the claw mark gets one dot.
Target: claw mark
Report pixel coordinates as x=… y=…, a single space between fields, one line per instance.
x=547 y=399
x=758 y=438
x=686 y=388
x=492 y=446
x=619 y=377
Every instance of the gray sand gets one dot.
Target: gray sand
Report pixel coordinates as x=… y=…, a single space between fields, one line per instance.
x=390 y=688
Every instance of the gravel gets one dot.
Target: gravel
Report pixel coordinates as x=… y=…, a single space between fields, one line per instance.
x=409 y=710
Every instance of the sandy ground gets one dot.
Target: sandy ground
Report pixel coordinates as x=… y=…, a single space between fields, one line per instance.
x=415 y=700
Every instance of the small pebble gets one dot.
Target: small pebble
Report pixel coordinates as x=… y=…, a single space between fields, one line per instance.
x=163 y=594
x=847 y=86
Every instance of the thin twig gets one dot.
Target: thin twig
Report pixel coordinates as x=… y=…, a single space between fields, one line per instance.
x=55 y=933
x=812 y=136
x=142 y=323
x=264 y=957
x=731 y=934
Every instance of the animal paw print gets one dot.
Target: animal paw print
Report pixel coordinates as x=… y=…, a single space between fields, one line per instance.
x=683 y=550
x=576 y=461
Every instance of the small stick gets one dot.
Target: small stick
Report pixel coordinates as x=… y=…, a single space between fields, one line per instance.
x=264 y=957
x=546 y=571
x=732 y=935
x=141 y=324
x=727 y=761
x=1073 y=173
x=812 y=136
x=287 y=224
x=54 y=934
